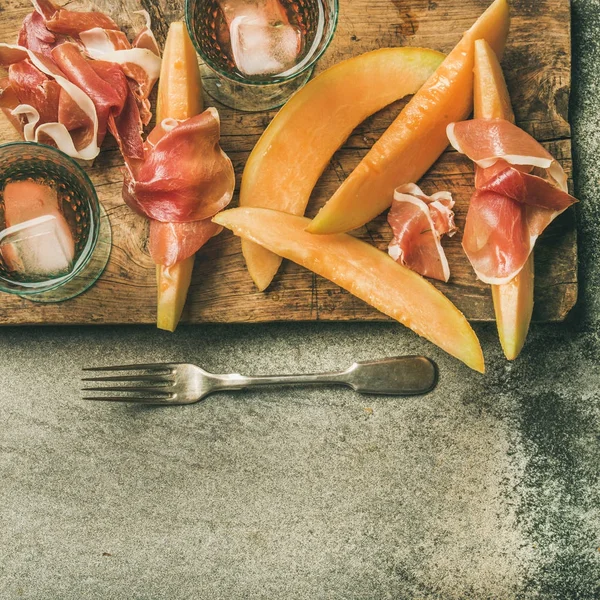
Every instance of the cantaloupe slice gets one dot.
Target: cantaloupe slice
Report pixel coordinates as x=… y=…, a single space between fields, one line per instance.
x=417 y=137
x=289 y=158
x=364 y=271
x=513 y=302
x=513 y=305
x=179 y=97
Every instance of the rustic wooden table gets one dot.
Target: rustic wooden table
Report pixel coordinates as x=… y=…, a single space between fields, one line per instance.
x=538 y=67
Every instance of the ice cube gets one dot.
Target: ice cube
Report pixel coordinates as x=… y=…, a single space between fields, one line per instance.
x=38 y=248
x=38 y=241
x=260 y=48
x=263 y=42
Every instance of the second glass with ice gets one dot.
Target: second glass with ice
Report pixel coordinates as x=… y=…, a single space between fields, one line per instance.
x=257 y=53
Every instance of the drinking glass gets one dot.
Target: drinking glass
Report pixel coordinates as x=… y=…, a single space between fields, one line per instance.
x=226 y=84
x=87 y=220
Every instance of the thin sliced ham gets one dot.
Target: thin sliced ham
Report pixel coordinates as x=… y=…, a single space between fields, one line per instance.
x=9 y=102
x=185 y=175
x=140 y=65
x=98 y=42
x=35 y=35
x=145 y=38
x=103 y=82
x=35 y=88
x=33 y=129
x=172 y=243
x=496 y=237
x=511 y=207
x=69 y=22
x=418 y=222
x=486 y=141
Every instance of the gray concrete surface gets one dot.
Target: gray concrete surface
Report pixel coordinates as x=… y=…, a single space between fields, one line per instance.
x=487 y=488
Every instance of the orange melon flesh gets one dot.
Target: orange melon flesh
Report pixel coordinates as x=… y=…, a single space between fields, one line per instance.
x=179 y=97
x=364 y=271
x=513 y=302
x=513 y=305
x=294 y=150
x=416 y=139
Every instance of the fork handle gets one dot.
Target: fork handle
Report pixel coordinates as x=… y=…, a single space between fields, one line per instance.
x=402 y=376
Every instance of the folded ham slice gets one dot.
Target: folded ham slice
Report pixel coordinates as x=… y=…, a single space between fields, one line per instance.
x=185 y=176
x=70 y=22
x=418 y=222
x=35 y=88
x=35 y=35
x=511 y=207
x=145 y=38
x=107 y=86
x=172 y=243
x=486 y=141
x=34 y=129
x=140 y=65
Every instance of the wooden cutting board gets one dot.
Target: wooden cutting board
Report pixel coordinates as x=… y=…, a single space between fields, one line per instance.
x=538 y=69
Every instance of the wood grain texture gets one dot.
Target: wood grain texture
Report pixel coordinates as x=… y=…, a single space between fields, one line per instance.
x=537 y=66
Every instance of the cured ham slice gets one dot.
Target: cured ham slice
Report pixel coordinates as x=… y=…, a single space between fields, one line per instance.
x=511 y=207
x=145 y=38
x=35 y=88
x=486 y=141
x=33 y=129
x=528 y=189
x=185 y=175
x=172 y=243
x=35 y=35
x=99 y=42
x=106 y=84
x=418 y=222
x=141 y=65
x=69 y=22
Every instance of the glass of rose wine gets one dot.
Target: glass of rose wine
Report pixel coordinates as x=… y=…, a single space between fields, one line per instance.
x=54 y=239
x=257 y=53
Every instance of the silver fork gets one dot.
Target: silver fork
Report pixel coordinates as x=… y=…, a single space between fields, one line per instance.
x=173 y=383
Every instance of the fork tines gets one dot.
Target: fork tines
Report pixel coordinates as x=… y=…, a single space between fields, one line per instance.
x=147 y=388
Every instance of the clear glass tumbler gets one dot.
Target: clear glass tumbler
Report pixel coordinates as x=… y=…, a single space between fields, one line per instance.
x=79 y=212
x=222 y=77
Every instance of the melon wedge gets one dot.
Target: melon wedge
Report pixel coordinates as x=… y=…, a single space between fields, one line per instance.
x=364 y=271
x=513 y=305
x=513 y=302
x=180 y=86
x=294 y=150
x=416 y=139
x=179 y=97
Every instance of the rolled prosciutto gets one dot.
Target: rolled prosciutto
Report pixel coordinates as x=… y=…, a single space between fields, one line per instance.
x=511 y=206
x=419 y=222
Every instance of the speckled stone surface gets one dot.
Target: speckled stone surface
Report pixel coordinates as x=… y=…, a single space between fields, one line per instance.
x=487 y=488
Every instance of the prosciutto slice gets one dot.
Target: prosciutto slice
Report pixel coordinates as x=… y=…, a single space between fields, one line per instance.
x=35 y=35
x=185 y=176
x=35 y=88
x=145 y=38
x=486 y=141
x=106 y=85
x=418 y=222
x=141 y=65
x=511 y=207
x=172 y=243
x=34 y=130
x=69 y=22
